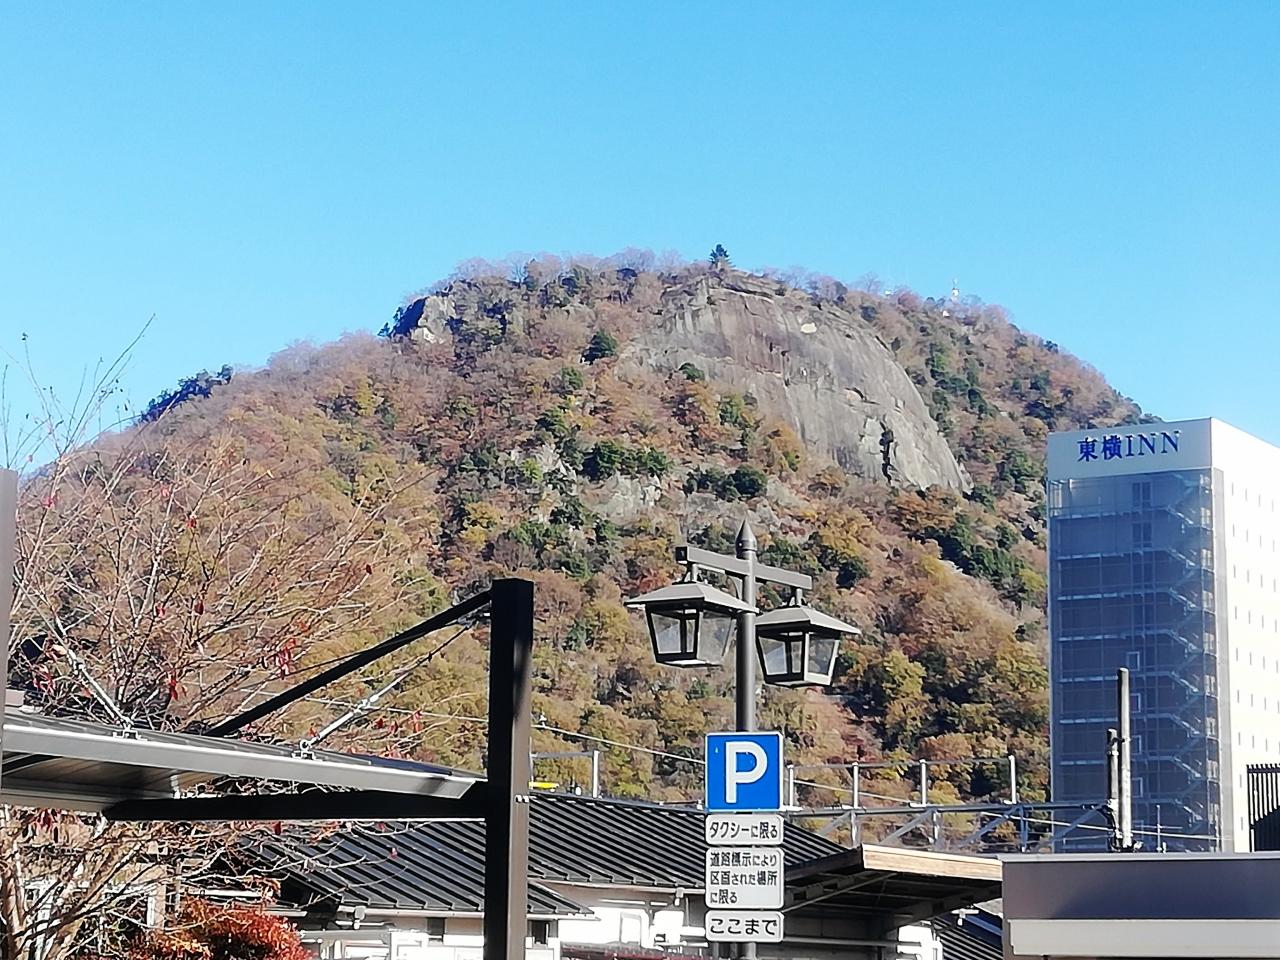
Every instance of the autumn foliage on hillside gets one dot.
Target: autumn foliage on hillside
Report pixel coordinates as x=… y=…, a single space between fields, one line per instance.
x=292 y=514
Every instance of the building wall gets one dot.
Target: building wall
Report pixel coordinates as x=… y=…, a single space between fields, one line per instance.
x=383 y=937
x=1162 y=544
x=1141 y=905
x=1251 y=620
x=635 y=917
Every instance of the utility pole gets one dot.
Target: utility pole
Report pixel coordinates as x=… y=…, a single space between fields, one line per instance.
x=1125 y=795
x=1119 y=803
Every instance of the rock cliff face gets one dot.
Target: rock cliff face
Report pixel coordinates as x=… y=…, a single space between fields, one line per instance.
x=820 y=368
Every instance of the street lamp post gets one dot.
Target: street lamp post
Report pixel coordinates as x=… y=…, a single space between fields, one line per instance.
x=744 y=690
x=688 y=625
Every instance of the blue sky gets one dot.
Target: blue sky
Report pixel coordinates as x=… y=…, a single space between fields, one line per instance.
x=257 y=174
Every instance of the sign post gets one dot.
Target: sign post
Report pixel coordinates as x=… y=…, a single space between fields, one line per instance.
x=745 y=867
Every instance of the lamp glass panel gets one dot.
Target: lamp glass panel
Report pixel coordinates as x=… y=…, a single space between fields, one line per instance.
x=672 y=631
x=822 y=653
x=780 y=656
x=795 y=651
x=714 y=635
x=773 y=656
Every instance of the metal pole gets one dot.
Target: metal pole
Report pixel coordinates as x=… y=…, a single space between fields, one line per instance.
x=857 y=785
x=354 y=662
x=1125 y=791
x=924 y=783
x=8 y=549
x=1013 y=779
x=745 y=681
x=792 y=796
x=595 y=773
x=506 y=820
x=1113 y=786
x=745 y=687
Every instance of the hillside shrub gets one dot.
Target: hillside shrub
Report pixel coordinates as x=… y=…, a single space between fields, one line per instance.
x=743 y=483
x=610 y=457
x=189 y=388
x=569 y=381
x=603 y=344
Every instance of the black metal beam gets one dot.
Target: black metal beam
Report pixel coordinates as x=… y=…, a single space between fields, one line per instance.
x=351 y=664
x=309 y=805
x=506 y=845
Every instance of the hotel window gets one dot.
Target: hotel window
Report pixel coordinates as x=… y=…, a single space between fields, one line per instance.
x=540 y=932
x=435 y=929
x=1142 y=495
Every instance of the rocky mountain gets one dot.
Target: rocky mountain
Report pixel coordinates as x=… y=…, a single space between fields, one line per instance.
x=575 y=421
x=813 y=364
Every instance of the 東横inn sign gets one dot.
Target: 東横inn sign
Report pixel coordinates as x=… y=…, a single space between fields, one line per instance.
x=1116 y=446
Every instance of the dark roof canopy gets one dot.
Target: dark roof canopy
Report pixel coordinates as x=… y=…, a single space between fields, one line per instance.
x=907 y=885
x=75 y=765
x=438 y=867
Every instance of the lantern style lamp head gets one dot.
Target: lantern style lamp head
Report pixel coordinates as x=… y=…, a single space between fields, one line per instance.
x=690 y=623
x=798 y=645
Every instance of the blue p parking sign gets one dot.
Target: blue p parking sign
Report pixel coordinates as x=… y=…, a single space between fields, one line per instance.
x=744 y=771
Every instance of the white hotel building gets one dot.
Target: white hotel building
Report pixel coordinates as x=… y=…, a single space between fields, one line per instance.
x=1163 y=558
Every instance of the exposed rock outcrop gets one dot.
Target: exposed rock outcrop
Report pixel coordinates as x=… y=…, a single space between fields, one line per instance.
x=820 y=368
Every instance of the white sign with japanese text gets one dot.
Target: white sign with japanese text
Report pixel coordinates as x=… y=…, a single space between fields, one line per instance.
x=744 y=829
x=744 y=877
x=744 y=926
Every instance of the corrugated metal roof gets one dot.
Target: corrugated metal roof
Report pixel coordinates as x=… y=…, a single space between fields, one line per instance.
x=393 y=866
x=584 y=840
x=963 y=938
x=440 y=865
